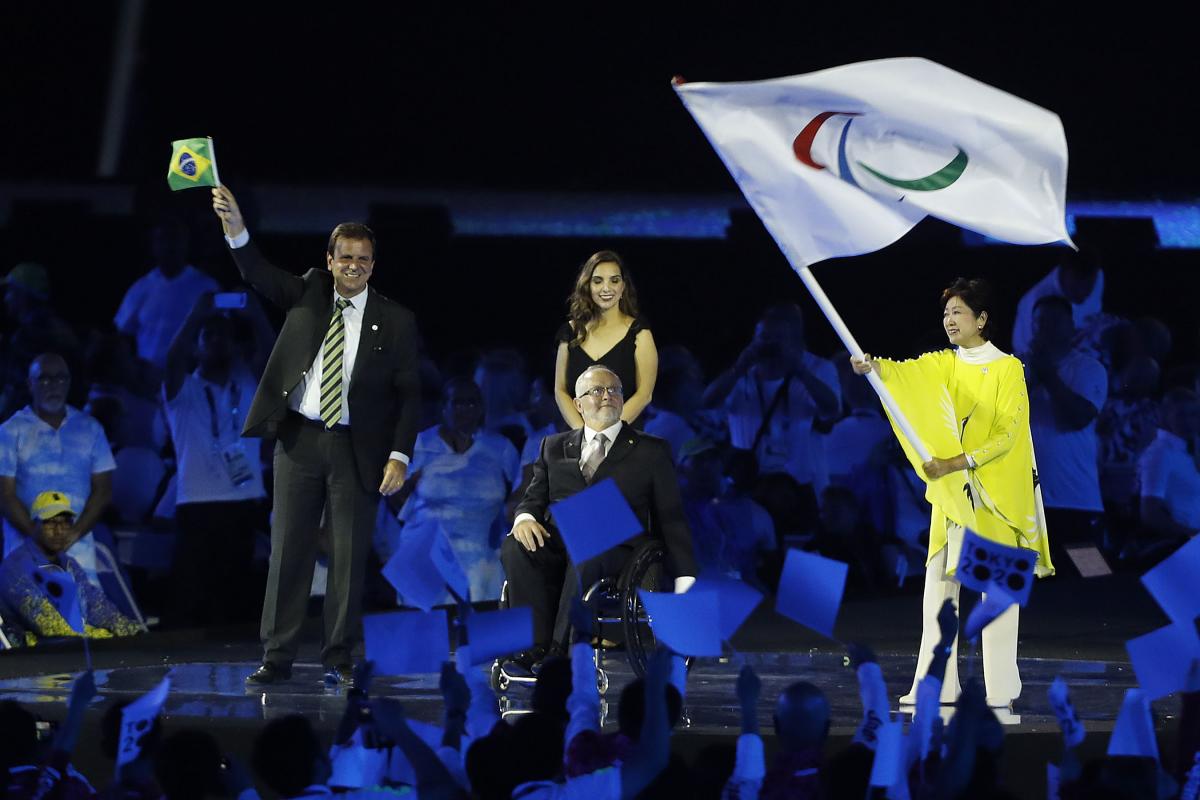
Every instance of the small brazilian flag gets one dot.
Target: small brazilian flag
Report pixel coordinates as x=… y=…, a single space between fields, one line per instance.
x=193 y=163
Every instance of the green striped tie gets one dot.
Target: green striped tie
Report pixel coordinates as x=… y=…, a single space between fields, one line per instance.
x=331 y=366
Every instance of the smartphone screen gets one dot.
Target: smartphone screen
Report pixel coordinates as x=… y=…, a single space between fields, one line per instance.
x=229 y=300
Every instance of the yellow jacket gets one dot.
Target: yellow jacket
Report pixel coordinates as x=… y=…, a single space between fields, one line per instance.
x=981 y=410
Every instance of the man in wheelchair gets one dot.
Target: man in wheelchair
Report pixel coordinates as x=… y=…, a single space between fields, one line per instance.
x=535 y=560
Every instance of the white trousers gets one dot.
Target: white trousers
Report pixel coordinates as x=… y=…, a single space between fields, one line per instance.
x=1001 y=679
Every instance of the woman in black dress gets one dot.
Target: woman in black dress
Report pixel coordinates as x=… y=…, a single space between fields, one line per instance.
x=604 y=328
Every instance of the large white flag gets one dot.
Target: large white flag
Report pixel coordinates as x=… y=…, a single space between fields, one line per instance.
x=847 y=160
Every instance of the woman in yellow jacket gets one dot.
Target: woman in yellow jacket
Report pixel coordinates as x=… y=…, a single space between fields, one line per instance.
x=970 y=407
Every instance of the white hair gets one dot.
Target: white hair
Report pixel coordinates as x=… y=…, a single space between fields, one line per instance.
x=593 y=368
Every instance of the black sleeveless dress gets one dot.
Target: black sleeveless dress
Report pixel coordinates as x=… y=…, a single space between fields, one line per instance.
x=620 y=357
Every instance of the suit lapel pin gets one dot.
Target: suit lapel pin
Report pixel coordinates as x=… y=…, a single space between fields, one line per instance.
x=374 y=327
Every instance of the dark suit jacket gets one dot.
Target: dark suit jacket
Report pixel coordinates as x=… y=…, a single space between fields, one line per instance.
x=640 y=465
x=384 y=396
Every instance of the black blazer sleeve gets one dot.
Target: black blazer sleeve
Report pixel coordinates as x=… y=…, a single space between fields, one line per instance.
x=668 y=512
x=280 y=287
x=536 y=499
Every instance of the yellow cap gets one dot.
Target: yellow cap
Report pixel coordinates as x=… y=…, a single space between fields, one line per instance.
x=50 y=504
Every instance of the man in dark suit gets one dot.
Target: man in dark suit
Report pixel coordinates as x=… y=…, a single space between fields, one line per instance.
x=534 y=557
x=340 y=393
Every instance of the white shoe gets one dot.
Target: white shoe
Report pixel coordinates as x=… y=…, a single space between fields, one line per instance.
x=1000 y=702
x=910 y=699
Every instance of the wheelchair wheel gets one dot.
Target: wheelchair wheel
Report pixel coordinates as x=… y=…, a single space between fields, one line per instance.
x=644 y=571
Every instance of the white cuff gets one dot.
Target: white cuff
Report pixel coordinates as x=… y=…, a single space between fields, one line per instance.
x=971 y=461
x=241 y=240
x=524 y=517
x=396 y=455
x=683 y=583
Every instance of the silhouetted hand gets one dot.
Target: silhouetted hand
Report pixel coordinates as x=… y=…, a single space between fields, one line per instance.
x=859 y=654
x=456 y=695
x=948 y=622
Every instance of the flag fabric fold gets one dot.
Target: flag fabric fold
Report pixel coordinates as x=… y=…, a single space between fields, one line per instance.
x=193 y=163
x=847 y=160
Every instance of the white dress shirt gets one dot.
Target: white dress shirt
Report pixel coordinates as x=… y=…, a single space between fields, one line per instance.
x=589 y=441
x=308 y=400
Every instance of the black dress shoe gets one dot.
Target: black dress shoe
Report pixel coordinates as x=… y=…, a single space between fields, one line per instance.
x=527 y=662
x=342 y=675
x=269 y=673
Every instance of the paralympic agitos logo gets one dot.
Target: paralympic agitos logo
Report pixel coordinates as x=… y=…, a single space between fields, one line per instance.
x=803 y=143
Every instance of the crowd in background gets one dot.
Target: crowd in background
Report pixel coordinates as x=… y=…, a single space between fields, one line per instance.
x=138 y=424
x=130 y=434
x=558 y=748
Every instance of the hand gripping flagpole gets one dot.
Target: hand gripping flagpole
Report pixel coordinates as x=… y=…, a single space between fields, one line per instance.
x=839 y=327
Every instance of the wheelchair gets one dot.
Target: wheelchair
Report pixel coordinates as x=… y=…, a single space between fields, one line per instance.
x=618 y=608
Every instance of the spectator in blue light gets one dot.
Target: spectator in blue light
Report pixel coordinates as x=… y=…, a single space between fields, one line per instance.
x=460 y=476
x=731 y=532
x=1170 y=480
x=155 y=306
x=1067 y=389
x=1079 y=278
x=32 y=326
x=677 y=415
x=50 y=446
x=27 y=579
x=771 y=398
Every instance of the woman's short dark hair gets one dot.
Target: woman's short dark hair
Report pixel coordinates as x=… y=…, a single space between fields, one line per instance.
x=977 y=294
x=581 y=309
x=351 y=230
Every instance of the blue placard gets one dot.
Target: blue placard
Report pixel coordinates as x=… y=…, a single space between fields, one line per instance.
x=595 y=520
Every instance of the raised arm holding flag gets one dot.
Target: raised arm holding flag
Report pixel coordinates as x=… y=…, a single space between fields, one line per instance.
x=847 y=160
x=971 y=407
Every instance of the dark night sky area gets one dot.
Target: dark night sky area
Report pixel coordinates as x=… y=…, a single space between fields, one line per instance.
x=565 y=96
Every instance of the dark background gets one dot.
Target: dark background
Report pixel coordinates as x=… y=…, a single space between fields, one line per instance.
x=571 y=97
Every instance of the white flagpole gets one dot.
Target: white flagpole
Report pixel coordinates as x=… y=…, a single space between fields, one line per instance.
x=839 y=327
x=212 y=153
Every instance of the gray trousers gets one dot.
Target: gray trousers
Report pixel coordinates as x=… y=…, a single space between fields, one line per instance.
x=315 y=471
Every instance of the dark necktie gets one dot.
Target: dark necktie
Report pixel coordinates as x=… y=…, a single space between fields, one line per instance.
x=331 y=365
x=595 y=458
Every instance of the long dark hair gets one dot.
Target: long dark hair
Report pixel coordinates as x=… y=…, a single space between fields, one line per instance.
x=581 y=309
x=977 y=294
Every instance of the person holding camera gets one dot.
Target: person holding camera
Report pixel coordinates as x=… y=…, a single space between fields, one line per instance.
x=220 y=496
x=771 y=397
x=152 y=310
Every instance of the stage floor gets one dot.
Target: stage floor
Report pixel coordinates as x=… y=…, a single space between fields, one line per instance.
x=217 y=690
x=1075 y=629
